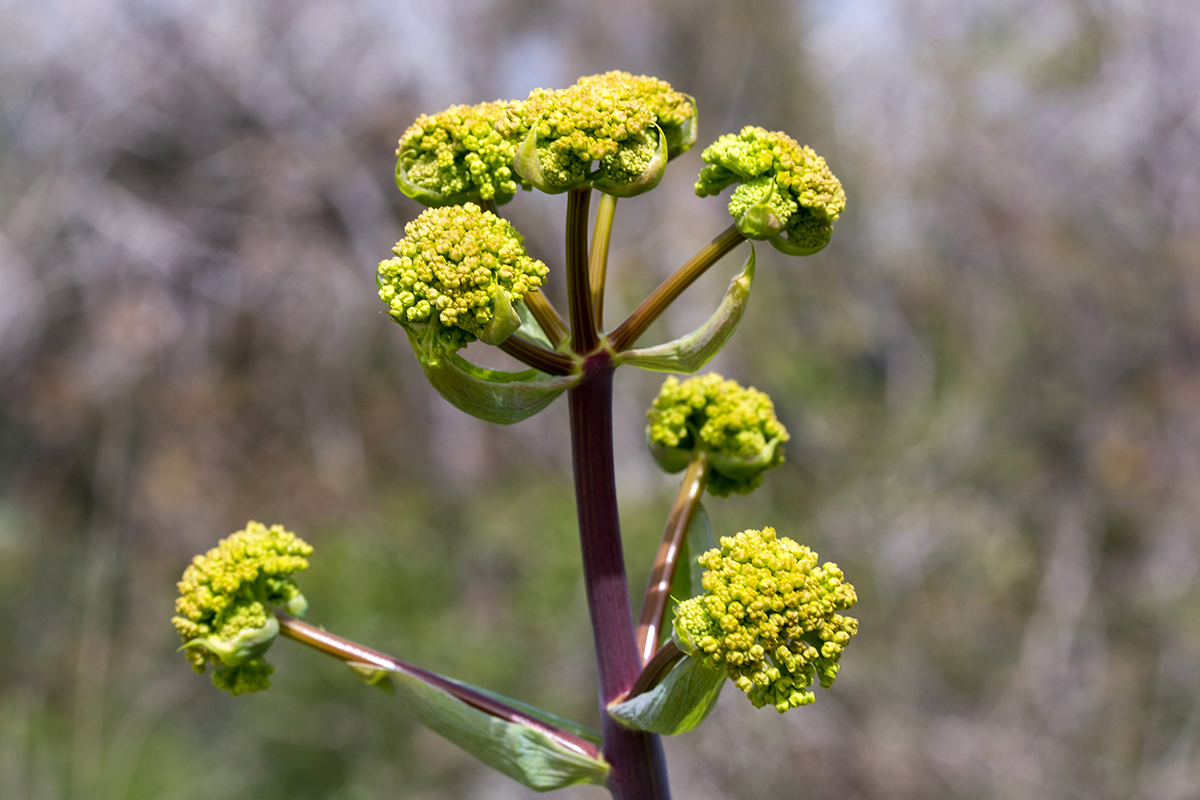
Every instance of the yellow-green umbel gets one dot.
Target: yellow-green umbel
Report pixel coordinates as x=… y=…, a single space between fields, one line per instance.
x=455 y=277
x=562 y=132
x=787 y=194
x=768 y=617
x=223 y=609
x=734 y=426
x=675 y=112
x=457 y=155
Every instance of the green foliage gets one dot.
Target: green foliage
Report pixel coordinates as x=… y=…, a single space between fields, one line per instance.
x=455 y=277
x=222 y=611
x=526 y=754
x=456 y=156
x=768 y=617
x=787 y=194
x=678 y=704
x=736 y=427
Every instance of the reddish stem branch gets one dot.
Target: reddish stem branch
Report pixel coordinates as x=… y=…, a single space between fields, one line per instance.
x=352 y=652
x=658 y=591
x=628 y=332
x=537 y=357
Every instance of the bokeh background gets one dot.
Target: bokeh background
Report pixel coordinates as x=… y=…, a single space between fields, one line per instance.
x=992 y=379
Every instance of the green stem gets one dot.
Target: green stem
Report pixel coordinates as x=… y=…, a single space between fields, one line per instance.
x=658 y=591
x=636 y=324
x=584 y=335
x=547 y=316
x=598 y=257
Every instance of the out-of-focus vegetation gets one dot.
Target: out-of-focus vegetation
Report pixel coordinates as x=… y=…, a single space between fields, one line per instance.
x=991 y=377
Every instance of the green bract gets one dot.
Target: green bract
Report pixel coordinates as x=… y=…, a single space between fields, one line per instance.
x=768 y=617
x=562 y=132
x=735 y=427
x=455 y=277
x=787 y=195
x=457 y=155
x=675 y=111
x=222 y=611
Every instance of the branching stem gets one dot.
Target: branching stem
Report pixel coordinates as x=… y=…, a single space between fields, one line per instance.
x=658 y=591
x=354 y=653
x=547 y=316
x=628 y=332
x=537 y=357
x=598 y=257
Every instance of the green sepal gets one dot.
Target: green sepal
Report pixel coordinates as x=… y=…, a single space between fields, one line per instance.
x=531 y=329
x=681 y=138
x=759 y=221
x=787 y=248
x=426 y=197
x=492 y=395
x=527 y=163
x=691 y=352
x=676 y=705
x=248 y=645
x=527 y=755
x=689 y=572
x=742 y=469
x=504 y=321
x=644 y=182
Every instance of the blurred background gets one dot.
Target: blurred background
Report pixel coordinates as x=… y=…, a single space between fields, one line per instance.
x=991 y=376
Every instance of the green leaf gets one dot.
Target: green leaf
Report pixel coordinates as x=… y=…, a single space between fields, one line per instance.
x=531 y=329
x=568 y=725
x=690 y=353
x=528 y=755
x=492 y=395
x=678 y=704
x=504 y=321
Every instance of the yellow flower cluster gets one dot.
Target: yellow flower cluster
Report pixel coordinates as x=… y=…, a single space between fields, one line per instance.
x=768 y=617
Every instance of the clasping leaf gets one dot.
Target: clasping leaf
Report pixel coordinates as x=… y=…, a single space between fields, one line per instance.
x=691 y=352
x=678 y=704
x=492 y=395
x=534 y=756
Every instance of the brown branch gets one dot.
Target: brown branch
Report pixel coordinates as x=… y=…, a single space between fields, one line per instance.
x=537 y=357
x=354 y=653
x=658 y=591
x=628 y=332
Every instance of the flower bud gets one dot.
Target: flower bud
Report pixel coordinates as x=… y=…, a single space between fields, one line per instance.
x=455 y=277
x=734 y=427
x=223 y=609
x=456 y=156
x=787 y=195
x=768 y=618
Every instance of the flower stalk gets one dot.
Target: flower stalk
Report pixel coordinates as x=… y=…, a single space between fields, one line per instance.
x=354 y=653
x=658 y=591
x=629 y=331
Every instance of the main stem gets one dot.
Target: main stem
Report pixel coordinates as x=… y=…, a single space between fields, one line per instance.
x=639 y=771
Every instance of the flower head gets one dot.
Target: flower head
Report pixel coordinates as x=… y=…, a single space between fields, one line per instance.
x=457 y=155
x=768 y=617
x=787 y=194
x=222 y=612
x=454 y=279
x=562 y=132
x=674 y=111
x=734 y=426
